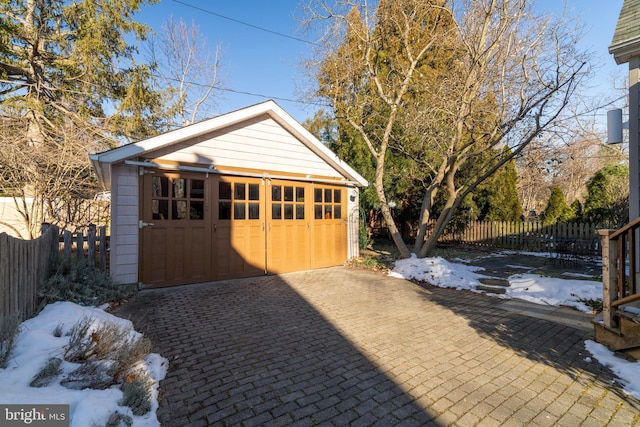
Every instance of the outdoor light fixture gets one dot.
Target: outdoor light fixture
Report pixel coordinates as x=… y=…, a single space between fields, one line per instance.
x=615 y=126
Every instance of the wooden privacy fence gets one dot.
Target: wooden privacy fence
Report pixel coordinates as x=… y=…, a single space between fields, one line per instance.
x=25 y=264
x=528 y=236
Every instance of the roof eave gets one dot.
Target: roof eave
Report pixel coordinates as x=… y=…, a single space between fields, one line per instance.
x=625 y=50
x=102 y=170
x=102 y=161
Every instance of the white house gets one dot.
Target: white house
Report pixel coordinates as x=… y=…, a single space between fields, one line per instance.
x=247 y=193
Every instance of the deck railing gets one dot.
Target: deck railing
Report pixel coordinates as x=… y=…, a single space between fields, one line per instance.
x=619 y=265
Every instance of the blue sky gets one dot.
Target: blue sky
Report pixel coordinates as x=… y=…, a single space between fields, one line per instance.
x=266 y=64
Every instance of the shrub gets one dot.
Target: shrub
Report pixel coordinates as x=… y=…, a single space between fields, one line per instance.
x=364 y=239
x=119 y=420
x=75 y=281
x=80 y=344
x=50 y=370
x=136 y=392
x=9 y=329
x=109 y=342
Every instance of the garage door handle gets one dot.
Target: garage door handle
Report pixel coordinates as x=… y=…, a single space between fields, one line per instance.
x=215 y=227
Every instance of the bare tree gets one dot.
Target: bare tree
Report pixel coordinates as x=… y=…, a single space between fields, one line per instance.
x=448 y=83
x=49 y=184
x=567 y=158
x=188 y=67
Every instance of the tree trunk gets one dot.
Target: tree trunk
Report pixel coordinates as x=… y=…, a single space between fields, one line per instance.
x=386 y=211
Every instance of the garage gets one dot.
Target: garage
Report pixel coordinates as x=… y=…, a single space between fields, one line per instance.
x=243 y=194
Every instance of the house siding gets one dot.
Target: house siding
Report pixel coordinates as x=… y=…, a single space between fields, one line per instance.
x=260 y=145
x=124 y=224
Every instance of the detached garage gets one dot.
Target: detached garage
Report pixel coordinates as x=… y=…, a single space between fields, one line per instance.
x=243 y=194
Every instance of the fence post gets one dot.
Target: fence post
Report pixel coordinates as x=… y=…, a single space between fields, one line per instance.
x=79 y=245
x=91 y=243
x=54 y=242
x=610 y=255
x=67 y=244
x=103 y=248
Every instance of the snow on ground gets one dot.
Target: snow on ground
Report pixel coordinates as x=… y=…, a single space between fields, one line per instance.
x=531 y=287
x=538 y=289
x=627 y=372
x=36 y=343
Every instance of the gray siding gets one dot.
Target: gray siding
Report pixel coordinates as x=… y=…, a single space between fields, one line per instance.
x=124 y=224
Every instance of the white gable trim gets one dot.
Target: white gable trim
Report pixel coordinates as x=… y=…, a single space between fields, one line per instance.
x=102 y=161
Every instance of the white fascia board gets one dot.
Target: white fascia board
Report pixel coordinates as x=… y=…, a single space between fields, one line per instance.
x=102 y=170
x=172 y=137
x=315 y=145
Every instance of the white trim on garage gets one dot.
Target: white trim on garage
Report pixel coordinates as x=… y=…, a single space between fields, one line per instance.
x=295 y=134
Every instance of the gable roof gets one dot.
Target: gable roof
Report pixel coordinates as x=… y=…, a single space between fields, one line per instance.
x=626 y=39
x=102 y=161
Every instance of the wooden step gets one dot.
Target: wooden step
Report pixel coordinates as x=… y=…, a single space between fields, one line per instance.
x=626 y=336
x=493 y=285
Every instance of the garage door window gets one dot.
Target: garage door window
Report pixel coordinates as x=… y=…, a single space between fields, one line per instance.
x=287 y=202
x=238 y=199
x=327 y=203
x=177 y=198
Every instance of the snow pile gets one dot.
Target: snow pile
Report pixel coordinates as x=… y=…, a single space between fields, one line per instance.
x=37 y=343
x=531 y=287
x=554 y=291
x=438 y=272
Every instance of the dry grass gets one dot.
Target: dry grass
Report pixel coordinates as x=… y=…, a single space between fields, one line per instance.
x=9 y=330
x=122 y=349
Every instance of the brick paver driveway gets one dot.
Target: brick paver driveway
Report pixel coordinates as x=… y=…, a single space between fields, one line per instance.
x=341 y=346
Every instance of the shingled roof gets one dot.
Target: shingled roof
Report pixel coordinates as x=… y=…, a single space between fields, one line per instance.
x=626 y=39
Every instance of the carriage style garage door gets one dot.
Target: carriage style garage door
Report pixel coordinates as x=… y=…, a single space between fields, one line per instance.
x=198 y=227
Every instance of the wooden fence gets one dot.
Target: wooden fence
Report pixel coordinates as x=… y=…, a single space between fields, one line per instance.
x=526 y=236
x=25 y=264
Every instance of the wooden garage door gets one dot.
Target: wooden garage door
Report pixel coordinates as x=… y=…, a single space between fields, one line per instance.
x=238 y=235
x=288 y=226
x=175 y=229
x=203 y=228
x=330 y=229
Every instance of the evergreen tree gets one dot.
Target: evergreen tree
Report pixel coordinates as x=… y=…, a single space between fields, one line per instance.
x=557 y=209
x=498 y=196
x=607 y=200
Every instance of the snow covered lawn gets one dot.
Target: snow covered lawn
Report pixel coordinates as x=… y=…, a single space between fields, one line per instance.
x=37 y=343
